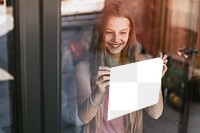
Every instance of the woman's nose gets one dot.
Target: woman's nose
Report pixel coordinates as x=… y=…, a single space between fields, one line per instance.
x=116 y=37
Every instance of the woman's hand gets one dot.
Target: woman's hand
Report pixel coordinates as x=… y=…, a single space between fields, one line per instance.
x=102 y=79
x=164 y=58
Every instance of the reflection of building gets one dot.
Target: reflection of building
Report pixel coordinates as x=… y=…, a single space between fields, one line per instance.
x=75 y=43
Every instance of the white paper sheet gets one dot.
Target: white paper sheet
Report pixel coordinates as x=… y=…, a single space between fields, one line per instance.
x=134 y=86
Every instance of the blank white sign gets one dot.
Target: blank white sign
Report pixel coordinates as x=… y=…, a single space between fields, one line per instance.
x=134 y=86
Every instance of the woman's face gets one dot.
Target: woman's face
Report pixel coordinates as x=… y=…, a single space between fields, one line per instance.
x=116 y=34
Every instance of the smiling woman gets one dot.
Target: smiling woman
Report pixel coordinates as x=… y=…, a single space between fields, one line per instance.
x=113 y=44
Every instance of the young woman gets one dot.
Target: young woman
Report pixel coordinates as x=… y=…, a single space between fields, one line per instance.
x=113 y=44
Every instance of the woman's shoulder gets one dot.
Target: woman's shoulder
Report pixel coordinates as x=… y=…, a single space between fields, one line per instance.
x=82 y=70
x=83 y=65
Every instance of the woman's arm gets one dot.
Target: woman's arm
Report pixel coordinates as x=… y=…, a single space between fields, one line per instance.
x=156 y=110
x=87 y=105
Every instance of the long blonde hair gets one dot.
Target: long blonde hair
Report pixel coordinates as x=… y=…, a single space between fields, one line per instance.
x=133 y=121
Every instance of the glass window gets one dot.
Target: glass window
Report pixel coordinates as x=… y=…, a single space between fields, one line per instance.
x=76 y=33
x=157 y=28
x=6 y=65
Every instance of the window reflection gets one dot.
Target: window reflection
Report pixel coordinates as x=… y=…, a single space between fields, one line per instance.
x=77 y=28
x=75 y=47
x=6 y=65
x=167 y=26
x=75 y=44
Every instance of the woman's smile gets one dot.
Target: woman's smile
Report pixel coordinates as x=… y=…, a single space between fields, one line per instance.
x=115 y=45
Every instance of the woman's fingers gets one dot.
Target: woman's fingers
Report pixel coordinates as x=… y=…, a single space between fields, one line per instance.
x=160 y=54
x=164 y=58
x=165 y=61
x=104 y=68
x=102 y=71
x=164 y=69
x=102 y=85
x=103 y=78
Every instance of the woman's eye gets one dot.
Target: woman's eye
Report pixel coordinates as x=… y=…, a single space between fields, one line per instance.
x=108 y=32
x=123 y=33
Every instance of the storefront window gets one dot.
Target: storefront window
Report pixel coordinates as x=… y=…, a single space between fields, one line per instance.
x=6 y=65
x=157 y=29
